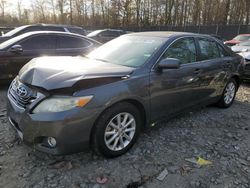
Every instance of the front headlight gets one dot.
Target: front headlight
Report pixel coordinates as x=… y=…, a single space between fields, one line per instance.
x=60 y=104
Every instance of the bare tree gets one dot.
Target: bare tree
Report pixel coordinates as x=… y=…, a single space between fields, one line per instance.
x=19 y=9
x=2 y=7
x=125 y=13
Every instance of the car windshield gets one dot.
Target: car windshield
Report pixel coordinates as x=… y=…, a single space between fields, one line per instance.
x=246 y=43
x=94 y=33
x=242 y=37
x=132 y=51
x=14 y=31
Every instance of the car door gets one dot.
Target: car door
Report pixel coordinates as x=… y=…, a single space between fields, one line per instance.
x=35 y=46
x=211 y=65
x=226 y=65
x=72 y=45
x=174 y=89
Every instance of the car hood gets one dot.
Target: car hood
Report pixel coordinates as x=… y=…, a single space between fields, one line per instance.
x=53 y=73
x=240 y=48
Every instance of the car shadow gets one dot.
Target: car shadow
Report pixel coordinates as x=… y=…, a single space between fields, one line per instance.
x=4 y=85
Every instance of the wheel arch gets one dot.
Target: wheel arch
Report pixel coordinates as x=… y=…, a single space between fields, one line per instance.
x=138 y=104
x=237 y=79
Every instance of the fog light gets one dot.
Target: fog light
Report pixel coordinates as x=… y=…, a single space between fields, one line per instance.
x=51 y=141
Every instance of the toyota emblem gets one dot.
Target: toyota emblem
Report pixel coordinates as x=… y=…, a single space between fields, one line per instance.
x=22 y=92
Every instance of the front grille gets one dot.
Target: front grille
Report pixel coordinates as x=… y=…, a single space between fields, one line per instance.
x=20 y=99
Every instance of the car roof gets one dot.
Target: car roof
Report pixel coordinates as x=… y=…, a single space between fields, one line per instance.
x=53 y=25
x=50 y=32
x=164 y=34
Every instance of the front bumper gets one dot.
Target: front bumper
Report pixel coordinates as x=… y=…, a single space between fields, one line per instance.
x=71 y=129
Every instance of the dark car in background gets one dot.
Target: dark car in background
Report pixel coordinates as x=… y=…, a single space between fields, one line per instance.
x=238 y=39
x=16 y=52
x=106 y=35
x=41 y=27
x=5 y=30
x=62 y=105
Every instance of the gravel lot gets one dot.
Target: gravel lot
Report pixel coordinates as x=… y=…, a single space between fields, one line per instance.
x=218 y=135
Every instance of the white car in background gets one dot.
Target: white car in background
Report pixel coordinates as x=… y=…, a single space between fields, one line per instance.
x=242 y=47
x=246 y=56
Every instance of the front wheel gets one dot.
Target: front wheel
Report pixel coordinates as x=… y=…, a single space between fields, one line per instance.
x=229 y=94
x=116 y=130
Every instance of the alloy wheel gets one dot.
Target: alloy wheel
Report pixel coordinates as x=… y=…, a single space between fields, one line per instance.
x=120 y=131
x=229 y=93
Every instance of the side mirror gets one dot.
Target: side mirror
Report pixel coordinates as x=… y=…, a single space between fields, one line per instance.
x=169 y=63
x=16 y=49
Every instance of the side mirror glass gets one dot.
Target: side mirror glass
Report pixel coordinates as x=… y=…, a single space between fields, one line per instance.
x=16 y=49
x=169 y=63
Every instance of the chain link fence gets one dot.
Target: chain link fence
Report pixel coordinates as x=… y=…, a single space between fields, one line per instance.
x=224 y=31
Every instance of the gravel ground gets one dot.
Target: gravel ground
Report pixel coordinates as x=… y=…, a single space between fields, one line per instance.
x=218 y=135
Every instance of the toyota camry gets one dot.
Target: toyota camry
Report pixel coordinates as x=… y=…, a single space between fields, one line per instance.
x=62 y=105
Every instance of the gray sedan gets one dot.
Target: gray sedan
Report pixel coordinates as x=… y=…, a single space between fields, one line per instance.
x=62 y=105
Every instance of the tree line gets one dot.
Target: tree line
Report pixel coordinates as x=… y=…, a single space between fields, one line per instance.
x=125 y=13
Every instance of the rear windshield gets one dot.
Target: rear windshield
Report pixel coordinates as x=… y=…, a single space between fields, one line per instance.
x=242 y=38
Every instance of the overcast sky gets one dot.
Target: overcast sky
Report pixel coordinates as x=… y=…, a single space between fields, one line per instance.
x=13 y=4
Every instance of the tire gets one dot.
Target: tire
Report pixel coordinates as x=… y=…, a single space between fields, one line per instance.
x=230 y=93
x=108 y=123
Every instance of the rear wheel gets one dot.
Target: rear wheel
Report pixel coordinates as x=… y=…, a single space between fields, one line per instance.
x=116 y=130
x=229 y=94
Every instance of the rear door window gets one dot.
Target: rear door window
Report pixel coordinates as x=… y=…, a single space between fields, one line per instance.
x=208 y=49
x=67 y=42
x=183 y=49
x=39 y=42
